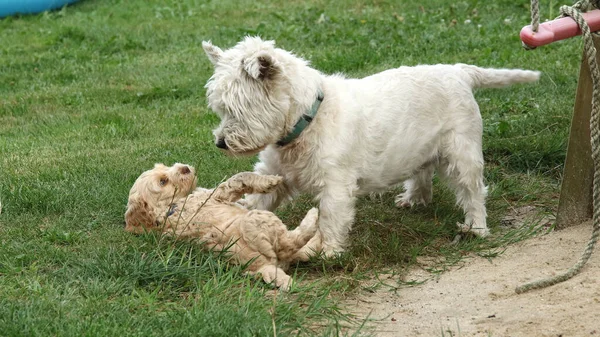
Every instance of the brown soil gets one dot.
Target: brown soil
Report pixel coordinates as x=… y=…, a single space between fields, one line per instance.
x=477 y=298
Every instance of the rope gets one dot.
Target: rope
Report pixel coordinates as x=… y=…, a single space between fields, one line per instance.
x=535 y=15
x=535 y=20
x=590 y=53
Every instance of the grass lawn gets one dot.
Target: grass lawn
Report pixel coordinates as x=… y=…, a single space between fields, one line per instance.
x=96 y=93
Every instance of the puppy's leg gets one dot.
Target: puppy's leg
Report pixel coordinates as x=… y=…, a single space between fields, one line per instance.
x=336 y=216
x=292 y=244
x=417 y=190
x=269 y=201
x=463 y=166
x=307 y=228
x=313 y=247
x=272 y=274
x=267 y=269
x=246 y=182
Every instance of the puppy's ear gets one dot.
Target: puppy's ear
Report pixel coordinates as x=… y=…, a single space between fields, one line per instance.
x=139 y=216
x=261 y=66
x=214 y=53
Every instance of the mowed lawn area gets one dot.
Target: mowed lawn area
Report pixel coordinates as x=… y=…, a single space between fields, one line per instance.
x=95 y=93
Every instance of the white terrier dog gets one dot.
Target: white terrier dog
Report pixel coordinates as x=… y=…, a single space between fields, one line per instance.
x=338 y=138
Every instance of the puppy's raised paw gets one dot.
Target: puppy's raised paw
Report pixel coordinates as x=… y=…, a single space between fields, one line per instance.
x=267 y=184
x=273 y=181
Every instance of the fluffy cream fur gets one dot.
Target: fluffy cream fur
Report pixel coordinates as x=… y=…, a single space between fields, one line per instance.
x=393 y=127
x=166 y=199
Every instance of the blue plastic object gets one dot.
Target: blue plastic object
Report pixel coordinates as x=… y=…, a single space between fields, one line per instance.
x=12 y=7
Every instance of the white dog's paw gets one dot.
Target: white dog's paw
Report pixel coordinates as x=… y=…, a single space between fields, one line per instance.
x=406 y=200
x=401 y=202
x=477 y=231
x=332 y=251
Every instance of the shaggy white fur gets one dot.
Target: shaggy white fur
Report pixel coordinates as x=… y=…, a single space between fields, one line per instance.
x=371 y=133
x=166 y=199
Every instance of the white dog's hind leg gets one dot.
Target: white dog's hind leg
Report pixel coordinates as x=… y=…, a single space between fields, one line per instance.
x=464 y=169
x=418 y=189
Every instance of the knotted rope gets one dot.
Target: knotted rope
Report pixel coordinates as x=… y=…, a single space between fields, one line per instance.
x=590 y=54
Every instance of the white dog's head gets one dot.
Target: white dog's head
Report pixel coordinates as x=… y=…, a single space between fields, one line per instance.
x=154 y=191
x=257 y=91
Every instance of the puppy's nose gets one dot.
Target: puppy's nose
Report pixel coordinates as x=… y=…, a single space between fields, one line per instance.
x=184 y=170
x=221 y=144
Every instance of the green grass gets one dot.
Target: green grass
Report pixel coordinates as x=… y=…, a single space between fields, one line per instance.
x=96 y=93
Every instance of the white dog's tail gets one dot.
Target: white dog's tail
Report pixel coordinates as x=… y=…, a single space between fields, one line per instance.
x=497 y=78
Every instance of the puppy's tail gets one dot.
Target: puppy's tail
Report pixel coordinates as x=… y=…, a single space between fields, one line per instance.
x=497 y=78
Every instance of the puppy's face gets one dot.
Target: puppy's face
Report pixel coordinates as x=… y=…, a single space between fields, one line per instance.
x=156 y=189
x=250 y=93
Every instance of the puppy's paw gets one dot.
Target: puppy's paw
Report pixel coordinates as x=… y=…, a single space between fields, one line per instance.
x=313 y=213
x=310 y=221
x=310 y=249
x=276 y=276
x=242 y=203
x=272 y=182
x=284 y=282
x=265 y=184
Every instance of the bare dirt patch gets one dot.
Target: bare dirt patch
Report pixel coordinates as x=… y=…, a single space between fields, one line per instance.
x=477 y=298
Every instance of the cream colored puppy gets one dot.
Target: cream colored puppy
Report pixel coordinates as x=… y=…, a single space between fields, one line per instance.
x=166 y=199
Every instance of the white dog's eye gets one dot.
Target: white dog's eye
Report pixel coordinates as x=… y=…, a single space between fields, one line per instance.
x=163 y=181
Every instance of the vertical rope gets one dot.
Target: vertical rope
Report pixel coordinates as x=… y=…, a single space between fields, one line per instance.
x=590 y=54
x=535 y=15
x=535 y=20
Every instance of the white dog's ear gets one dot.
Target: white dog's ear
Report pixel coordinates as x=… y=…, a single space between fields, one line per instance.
x=261 y=66
x=214 y=53
x=139 y=216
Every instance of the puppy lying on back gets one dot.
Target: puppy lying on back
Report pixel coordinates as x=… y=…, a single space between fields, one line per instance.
x=166 y=199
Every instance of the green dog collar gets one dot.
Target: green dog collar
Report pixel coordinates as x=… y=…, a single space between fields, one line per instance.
x=303 y=122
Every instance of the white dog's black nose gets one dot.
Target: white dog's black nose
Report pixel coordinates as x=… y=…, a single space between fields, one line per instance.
x=221 y=144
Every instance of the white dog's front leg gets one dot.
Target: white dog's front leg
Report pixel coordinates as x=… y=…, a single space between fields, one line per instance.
x=336 y=217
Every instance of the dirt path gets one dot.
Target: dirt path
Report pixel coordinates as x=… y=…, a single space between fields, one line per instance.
x=478 y=298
